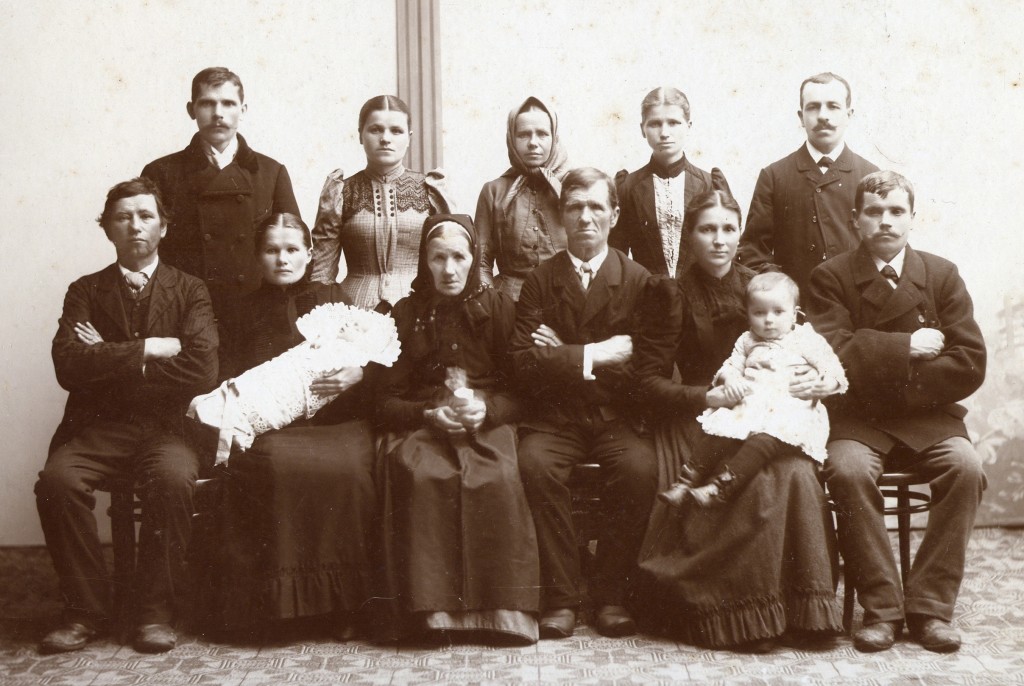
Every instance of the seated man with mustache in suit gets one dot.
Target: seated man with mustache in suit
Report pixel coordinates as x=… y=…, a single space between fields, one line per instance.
x=902 y=323
x=136 y=341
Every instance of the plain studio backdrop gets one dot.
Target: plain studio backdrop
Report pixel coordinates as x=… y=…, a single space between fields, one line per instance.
x=92 y=91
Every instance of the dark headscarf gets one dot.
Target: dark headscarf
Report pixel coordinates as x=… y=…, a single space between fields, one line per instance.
x=429 y=306
x=553 y=169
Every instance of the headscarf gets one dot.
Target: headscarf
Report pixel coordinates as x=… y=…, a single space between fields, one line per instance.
x=423 y=284
x=551 y=172
x=428 y=305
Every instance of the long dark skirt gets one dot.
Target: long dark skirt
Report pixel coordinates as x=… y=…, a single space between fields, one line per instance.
x=298 y=516
x=750 y=569
x=461 y=548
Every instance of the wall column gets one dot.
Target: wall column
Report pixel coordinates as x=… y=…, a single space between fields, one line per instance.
x=419 y=78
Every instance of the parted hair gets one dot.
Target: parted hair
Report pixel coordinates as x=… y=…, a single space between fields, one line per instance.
x=664 y=95
x=140 y=185
x=213 y=77
x=385 y=103
x=881 y=183
x=707 y=200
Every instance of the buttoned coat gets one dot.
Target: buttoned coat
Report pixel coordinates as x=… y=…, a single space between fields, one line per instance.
x=553 y=295
x=893 y=397
x=108 y=381
x=800 y=217
x=212 y=214
x=638 y=229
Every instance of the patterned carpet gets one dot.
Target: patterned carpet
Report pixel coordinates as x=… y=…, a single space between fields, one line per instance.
x=990 y=614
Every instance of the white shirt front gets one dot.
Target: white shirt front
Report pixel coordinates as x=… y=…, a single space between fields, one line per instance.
x=147 y=270
x=595 y=263
x=222 y=159
x=816 y=154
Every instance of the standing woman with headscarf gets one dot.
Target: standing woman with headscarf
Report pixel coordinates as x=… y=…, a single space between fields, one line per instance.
x=653 y=199
x=517 y=213
x=461 y=553
x=373 y=218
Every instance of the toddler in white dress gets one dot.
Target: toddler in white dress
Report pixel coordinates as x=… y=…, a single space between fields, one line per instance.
x=755 y=382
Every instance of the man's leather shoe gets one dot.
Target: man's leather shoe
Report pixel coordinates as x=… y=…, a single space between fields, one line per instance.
x=875 y=637
x=67 y=637
x=558 y=623
x=154 y=638
x=615 y=621
x=933 y=634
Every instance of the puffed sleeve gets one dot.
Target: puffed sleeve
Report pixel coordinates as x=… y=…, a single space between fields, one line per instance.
x=441 y=201
x=327 y=229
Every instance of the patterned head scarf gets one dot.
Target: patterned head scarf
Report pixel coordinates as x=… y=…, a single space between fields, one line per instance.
x=551 y=171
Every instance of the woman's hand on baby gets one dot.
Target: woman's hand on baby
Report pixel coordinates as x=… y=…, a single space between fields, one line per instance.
x=338 y=381
x=808 y=384
x=717 y=397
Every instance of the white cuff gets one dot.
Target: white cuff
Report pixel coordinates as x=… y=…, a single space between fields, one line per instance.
x=588 y=362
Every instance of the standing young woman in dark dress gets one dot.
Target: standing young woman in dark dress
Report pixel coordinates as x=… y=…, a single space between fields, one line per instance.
x=299 y=504
x=653 y=199
x=744 y=575
x=459 y=537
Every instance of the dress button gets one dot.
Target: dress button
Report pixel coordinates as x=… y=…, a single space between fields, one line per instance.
x=814 y=219
x=208 y=237
x=240 y=198
x=817 y=190
x=137 y=334
x=536 y=229
x=455 y=346
x=241 y=278
x=812 y=247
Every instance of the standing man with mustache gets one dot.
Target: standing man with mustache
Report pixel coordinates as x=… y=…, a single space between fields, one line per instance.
x=217 y=190
x=800 y=214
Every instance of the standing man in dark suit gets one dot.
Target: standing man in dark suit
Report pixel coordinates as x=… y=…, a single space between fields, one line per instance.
x=800 y=213
x=135 y=343
x=576 y=320
x=903 y=325
x=217 y=190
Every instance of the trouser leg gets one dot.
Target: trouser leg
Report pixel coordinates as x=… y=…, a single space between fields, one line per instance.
x=852 y=471
x=956 y=481
x=166 y=469
x=545 y=463
x=630 y=475
x=65 y=499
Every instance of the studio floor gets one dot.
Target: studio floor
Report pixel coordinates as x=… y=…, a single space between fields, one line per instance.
x=990 y=614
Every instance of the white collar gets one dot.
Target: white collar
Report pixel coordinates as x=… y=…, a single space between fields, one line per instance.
x=595 y=262
x=222 y=159
x=896 y=262
x=147 y=270
x=816 y=154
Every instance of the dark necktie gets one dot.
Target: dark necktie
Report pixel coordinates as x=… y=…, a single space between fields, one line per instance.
x=890 y=273
x=136 y=282
x=825 y=163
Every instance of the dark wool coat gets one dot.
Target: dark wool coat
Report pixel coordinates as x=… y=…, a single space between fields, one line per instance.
x=893 y=397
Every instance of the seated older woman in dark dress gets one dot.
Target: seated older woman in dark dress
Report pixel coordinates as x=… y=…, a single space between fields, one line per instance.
x=459 y=538
x=745 y=574
x=300 y=503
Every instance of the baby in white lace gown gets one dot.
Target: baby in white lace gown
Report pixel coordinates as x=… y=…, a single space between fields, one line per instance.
x=754 y=403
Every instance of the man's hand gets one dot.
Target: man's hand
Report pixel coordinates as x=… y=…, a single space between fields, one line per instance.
x=545 y=336
x=338 y=381
x=615 y=350
x=160 y=348
x=926 y=344
x=87 y=333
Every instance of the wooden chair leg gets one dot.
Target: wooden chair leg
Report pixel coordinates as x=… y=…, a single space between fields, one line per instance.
x=122 y=534
x=903 y=527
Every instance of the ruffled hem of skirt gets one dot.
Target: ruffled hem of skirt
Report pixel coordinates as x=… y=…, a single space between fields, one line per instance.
x=754 y=619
